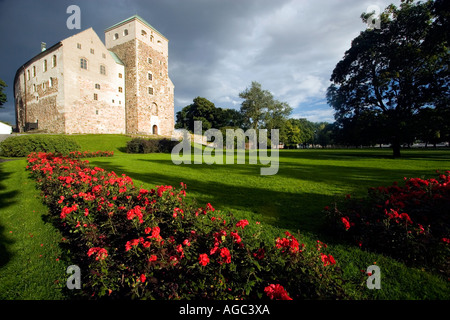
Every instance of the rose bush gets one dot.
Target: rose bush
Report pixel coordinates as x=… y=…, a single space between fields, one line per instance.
x=409 y=222
x=132 y=242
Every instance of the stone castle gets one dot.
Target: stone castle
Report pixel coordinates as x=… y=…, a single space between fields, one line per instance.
x=81 y=85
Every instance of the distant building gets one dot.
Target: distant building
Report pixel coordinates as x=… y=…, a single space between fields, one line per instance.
x=81 y=85
x=5 y=128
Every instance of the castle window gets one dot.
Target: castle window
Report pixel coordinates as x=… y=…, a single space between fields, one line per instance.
x=125 y=32
x=143 y=33
x=54 y=61
x=83 y=63
x=150 y=76
x=150 y=60
x=120 y=89
x=28 y=74
x=92 y=51
x=120 y=75
x=96 y=111
x=97 y=86
x=79 y=45
x=34 y=71
x=95 y=97
x=44 y=66
x=50 y=82
x=116 y=36
x=34 y=88
x=103 y=70
x=150 y=90
x=151 y=38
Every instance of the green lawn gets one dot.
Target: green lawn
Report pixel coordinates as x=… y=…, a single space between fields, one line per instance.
x=292 y=199
x=31 y=263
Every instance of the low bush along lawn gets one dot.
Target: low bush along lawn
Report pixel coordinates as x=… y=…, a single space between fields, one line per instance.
x=308 y=180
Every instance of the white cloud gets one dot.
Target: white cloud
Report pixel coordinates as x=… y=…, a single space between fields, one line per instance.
x=317 y=115
x=291 y=49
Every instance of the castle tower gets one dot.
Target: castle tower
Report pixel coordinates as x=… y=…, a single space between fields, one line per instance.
x=149 y=92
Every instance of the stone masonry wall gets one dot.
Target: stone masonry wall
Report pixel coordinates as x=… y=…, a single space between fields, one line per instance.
x=157 y=108
x=127 y=53
x=37 y=94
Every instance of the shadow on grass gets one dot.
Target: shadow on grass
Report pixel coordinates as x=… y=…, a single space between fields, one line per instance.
x=281 y=209
x=284 y=209
x=349 y=154
x=6 y=200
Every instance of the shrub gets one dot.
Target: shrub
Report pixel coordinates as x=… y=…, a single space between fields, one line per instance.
x=409 y=222
x=139 y=243
x=166 y=145
x=21 y=146
x=141 y=145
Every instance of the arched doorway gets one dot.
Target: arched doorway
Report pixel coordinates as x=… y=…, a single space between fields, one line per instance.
x=155 y=129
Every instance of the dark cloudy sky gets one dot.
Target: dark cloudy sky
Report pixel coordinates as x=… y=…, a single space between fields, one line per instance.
x=216 y=47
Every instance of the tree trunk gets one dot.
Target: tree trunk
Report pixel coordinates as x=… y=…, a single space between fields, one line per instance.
x=396 y=149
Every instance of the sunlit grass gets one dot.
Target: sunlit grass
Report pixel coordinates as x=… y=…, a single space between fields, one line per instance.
x=292 y=199
x=31 y=266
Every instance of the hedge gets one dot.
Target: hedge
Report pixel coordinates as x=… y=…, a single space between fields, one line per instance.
x=142 y=145
x=21 y=146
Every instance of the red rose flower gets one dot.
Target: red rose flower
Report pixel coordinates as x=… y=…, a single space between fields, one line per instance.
x=203 y=259
x=276 y=292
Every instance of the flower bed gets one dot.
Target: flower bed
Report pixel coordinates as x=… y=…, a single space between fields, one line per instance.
x=136 y=243
x=409 y=222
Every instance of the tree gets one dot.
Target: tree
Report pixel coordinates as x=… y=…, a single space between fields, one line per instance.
x=212 y=117
x=307 y=131
x=201 y=110
x=299 y=131
x=229 y=118
x=260 y=110
x=394 y=71
x=325 y=133
x=2 y=94
x=290 y=134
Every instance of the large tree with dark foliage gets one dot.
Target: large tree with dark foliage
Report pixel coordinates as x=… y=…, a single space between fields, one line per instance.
x=211 y=116
x=394 y=71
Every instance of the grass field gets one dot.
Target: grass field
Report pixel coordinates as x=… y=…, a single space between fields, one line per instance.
x=292 y=199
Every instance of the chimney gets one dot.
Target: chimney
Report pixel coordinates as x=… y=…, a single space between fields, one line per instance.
x=43 y=46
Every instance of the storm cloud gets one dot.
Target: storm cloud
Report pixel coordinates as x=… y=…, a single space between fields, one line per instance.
x=216 y=47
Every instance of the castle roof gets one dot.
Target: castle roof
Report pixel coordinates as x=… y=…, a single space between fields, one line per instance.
x=136 y=17
x=116 y=58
